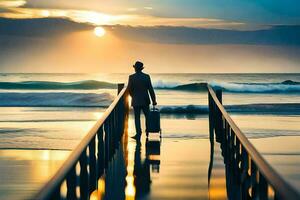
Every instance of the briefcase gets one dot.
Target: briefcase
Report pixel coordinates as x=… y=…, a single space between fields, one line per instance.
x=153 y=121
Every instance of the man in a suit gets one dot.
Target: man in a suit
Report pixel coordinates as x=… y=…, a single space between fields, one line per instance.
x=139 y=87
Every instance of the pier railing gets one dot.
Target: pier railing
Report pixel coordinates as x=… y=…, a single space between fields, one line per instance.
x=256 y=179
x=78 y=176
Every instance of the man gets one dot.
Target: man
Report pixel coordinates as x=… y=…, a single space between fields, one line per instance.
x=139 y=87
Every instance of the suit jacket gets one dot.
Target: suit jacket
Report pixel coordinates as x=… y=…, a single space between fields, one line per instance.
x=139 y=87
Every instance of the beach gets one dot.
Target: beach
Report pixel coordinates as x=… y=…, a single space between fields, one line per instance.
x=44 y=116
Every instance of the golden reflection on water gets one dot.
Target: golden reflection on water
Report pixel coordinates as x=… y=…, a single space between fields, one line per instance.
x=101 y=188
x=271 y=193
x=97 y=115
x=41 y=163
x=46 y=155
x=99 y=193
x=217 y=179
x=63 y=189
x=217 y=189
x=27 y=170
x=128 y=149
x=130 y=189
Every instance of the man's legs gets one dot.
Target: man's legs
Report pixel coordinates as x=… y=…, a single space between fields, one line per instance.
x=146 y=111
x=137 y=120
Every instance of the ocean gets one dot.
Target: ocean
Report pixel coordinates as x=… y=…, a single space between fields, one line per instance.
x=44 y=116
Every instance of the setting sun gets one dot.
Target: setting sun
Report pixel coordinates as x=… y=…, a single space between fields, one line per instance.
x=99 y=31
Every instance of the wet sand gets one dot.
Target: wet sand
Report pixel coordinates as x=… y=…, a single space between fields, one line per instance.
x=181 y=171
x=185 y=155
x=23 y=172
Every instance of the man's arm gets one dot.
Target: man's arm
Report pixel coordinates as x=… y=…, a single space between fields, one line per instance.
x=152 y=93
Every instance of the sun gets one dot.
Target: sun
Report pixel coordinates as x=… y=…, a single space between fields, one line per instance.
x=99 y=31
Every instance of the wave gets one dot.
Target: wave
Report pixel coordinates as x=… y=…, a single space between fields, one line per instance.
x=269 y=133
x=55 y=99
x=70 y=99
x=48 y=85
x=287 y=86
x=180 y=136
x=281 y=108
x=90 y=85
x=188 y=109
x=183 y=87
x=250 y=133
x=79 y=85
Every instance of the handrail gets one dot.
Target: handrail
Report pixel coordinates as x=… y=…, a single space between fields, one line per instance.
x=54 y=184
x=282 y=189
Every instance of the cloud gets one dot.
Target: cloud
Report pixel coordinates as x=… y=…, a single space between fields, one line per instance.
x=257 y=12
x=49 y=36
x=47 y=27
x=59 y=45
x=276 y=35
x=132 y=9
x=19 y=38
x=100 y=18
x=50 y=27
x=13 y=4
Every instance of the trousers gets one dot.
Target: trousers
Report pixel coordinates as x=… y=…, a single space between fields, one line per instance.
x=137 y=117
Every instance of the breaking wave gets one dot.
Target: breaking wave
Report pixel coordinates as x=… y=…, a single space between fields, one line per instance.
x=57 y=99
x=48 y=85
x=287 y=86
x=188 y=109
x=278 y=108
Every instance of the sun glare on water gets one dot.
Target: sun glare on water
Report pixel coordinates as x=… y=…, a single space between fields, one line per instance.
x=99 y=31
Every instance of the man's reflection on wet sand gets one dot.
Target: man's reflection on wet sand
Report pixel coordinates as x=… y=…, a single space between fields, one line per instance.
x=142 y=177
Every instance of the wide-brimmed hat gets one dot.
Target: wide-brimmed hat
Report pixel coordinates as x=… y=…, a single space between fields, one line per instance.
x=138 y=65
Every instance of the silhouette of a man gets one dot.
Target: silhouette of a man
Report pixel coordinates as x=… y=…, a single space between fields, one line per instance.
x=139 y=87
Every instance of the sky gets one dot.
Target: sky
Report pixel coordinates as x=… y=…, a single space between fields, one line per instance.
x=184 y=36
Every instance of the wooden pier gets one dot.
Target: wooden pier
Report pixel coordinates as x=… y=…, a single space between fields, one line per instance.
x=100 y=158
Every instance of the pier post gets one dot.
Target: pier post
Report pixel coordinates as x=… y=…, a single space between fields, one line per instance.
x=218 y=116
x=219 y=95
x=125 y=109
x=211 y=117
x=211 y=135
x=92 y=165
x=84 y=176
x=120 y=87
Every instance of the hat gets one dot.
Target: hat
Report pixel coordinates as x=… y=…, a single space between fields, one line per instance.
x=138 y=65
